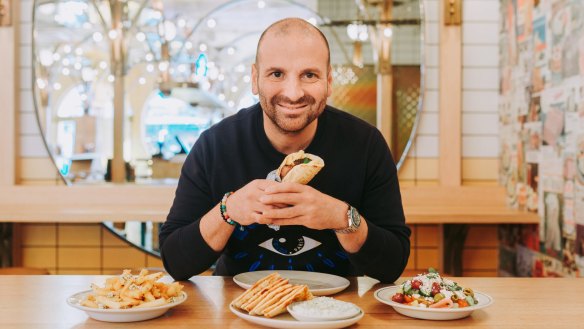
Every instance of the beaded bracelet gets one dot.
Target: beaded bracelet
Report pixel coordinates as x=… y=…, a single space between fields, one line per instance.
x=223 y=209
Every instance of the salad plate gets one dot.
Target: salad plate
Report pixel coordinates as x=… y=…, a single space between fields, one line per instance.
x=384 y=295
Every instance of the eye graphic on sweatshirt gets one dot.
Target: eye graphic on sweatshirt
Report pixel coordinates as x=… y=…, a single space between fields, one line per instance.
x=290 y=246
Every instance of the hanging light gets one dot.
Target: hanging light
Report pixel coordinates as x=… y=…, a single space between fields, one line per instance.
x=358 y=53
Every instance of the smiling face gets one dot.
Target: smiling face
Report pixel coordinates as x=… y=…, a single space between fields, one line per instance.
x=292 y=76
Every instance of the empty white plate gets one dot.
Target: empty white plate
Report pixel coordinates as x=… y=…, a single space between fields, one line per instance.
x=319 y=284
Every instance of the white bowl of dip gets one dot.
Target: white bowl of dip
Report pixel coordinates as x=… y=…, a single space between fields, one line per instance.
x=323 y=309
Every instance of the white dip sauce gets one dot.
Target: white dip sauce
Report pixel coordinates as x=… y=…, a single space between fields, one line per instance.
x=325 y=307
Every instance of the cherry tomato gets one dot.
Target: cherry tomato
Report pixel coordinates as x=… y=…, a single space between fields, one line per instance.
x=435 y=288
x=398 y=298
x=416 y=284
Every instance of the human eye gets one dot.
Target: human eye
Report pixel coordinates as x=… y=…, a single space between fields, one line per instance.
x=276 y=74
x=290 y=246
x=310 y=76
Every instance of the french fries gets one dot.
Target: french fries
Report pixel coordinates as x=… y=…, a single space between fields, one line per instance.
x=270 y=296
x=130 y=291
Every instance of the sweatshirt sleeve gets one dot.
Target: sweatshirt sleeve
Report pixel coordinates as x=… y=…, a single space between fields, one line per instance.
x=184 y=251
x=386 y=250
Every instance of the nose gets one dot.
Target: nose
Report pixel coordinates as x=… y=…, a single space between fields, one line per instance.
x=292 y=89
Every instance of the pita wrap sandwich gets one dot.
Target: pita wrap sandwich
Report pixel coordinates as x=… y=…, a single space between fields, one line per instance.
x=299 y=167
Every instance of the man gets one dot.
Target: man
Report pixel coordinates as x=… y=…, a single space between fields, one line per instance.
x=347 y=221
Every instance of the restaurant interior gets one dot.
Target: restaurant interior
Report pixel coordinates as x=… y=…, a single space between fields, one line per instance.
x=101 y=101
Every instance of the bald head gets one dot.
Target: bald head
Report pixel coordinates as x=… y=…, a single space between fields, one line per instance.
x=289 y=26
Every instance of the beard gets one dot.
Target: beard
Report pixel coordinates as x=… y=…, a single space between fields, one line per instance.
x=287 y=123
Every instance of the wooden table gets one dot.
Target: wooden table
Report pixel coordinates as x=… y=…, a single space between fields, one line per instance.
x=39 y=302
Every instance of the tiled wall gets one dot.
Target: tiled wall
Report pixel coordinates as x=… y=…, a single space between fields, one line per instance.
x=479 y=257
x=97 y=251
x=91 y=249
x=79 y=249
x=480 y=127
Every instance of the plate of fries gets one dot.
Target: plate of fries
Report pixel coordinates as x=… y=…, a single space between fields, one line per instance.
x=129 y=298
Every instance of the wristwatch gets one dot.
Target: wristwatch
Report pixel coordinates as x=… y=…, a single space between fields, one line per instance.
x=354 y=220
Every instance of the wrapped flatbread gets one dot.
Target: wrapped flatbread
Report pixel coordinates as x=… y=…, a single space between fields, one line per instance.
x=299 y=167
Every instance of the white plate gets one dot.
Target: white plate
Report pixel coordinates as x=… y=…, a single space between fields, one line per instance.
x=384 y=295
x=123 y=315
x=286 y=321
x=319 y=284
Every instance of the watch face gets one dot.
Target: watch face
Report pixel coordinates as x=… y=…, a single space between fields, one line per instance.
x=355 y=218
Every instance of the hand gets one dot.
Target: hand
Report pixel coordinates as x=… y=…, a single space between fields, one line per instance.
x=244 y=207
x=306 y=206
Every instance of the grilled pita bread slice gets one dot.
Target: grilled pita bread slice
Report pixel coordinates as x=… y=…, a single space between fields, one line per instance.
x=259 y=296
x=273 y=298
x=298 y=294
x=255 y=288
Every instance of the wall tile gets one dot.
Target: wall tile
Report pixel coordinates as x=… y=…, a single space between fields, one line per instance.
x=432 y=33
x=480 y=78
x=26 y=101
x=79 y=257
x=481 y=56
x=123 y=258
x=428 y=236
x=32 y=146
x=425 y=147
x=480 y=10
x=480 y=101
x=79 y=235
x=482 y=169
x=39 y=235
x=426 y=258
x=28 y=124
x=480 y=124
x=41 y=257
x=428 y=124
x=482 y=236
x=480 y=146
x=431 y=10
x=480 y=259
x=480 y=33
x=431 y=103
x=431 y=78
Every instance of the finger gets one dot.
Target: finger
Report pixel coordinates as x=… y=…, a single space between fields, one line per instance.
x=264 y=184
x=281 y=213
x=287 y=221
x=258 y=218
x=280 y=199
x=284 y=188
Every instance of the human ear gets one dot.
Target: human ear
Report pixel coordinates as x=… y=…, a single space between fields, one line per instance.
x=254 y=79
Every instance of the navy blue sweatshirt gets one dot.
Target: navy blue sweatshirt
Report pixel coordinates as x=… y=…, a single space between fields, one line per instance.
x=358 y=169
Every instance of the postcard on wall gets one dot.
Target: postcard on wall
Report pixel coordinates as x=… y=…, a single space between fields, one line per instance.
x=524 y=20
x=579 y=159
x=568 y=222
x=533 y=131
x=579 y=243
x=579 y=204
x=534 y=109
x=540 y=41
x=524 y=261
x=552 y=226
x=551 y=170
